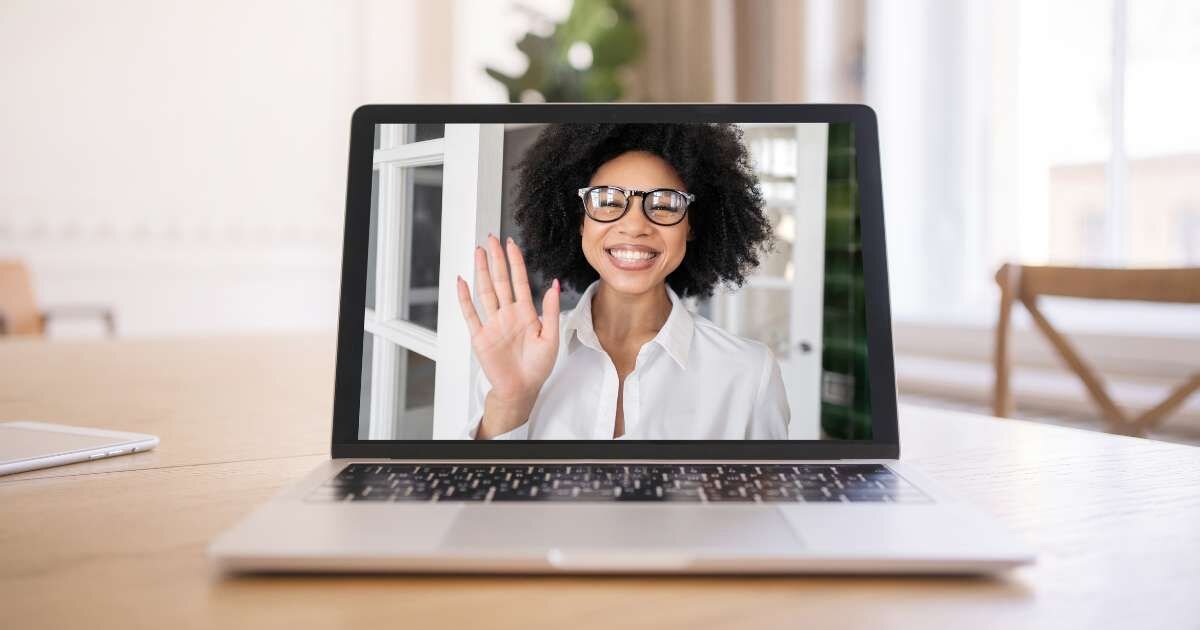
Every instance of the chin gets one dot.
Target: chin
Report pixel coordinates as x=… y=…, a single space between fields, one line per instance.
x=633 y=283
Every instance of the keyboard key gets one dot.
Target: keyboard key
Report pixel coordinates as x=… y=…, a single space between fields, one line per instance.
x=653 y=483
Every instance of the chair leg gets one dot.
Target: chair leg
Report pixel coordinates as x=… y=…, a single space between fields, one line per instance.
x=1154 y=416
x=1117 y=422
x=1002 y=399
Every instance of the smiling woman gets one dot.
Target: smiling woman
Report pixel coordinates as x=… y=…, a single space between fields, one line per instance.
x=635 y=216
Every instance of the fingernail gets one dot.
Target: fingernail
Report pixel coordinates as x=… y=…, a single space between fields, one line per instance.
x=510 y=241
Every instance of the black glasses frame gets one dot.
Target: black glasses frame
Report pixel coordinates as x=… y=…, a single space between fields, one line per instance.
x=629 y=195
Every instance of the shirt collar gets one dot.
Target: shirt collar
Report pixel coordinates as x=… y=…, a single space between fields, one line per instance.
x=675 y=336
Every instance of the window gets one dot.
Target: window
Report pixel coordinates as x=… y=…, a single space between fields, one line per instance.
x=421 y=237
x=1162 y=142
x=1038 y=131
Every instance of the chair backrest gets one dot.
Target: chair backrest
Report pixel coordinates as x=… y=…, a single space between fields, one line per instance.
x=1179 y=285
x=1024 y=284
x=17 y=305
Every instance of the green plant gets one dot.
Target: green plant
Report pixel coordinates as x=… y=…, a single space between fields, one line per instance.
x=581 y=60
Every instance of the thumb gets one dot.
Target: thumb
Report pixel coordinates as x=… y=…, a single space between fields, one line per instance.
x=550 y=313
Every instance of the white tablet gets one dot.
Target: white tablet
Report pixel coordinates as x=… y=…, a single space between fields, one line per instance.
x=27 y=445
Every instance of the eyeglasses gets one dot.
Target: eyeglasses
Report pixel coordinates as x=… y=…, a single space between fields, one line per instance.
x=662 y=206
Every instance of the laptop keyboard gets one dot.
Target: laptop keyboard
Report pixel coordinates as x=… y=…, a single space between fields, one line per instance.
x=705 y=483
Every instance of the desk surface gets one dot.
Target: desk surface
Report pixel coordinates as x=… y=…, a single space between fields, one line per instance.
x=120 y=543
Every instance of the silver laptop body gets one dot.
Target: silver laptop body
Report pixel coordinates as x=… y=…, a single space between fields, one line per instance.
x=406 y=491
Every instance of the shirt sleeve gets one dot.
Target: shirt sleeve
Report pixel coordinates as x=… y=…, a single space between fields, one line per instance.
x=771 y=412
x=478 y=396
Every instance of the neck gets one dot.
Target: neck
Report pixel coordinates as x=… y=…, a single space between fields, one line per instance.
x=628 y=316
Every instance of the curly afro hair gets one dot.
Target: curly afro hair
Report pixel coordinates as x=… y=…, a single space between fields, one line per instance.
x=729 y=226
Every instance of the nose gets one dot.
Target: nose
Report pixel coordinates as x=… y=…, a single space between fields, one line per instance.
x=635 y=223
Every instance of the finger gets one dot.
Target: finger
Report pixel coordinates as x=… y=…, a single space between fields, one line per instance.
x=550 y=313
x=483 y=283
x=468 y=307
x=520 y=277
x=499 y=270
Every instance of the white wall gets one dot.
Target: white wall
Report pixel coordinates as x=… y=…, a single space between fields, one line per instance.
x=184 y=162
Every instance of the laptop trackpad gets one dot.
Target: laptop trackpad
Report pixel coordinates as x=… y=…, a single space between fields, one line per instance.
x=533 y=527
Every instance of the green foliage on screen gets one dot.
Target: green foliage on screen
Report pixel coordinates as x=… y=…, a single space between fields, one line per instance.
x=603 y=30
x=845 y=396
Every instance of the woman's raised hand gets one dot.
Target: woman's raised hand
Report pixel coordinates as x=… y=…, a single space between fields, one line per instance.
x=514 y=347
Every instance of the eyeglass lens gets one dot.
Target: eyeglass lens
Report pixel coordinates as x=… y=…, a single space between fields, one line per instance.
x=664 y=207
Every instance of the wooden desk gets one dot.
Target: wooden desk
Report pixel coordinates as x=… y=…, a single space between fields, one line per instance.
x=120 y=543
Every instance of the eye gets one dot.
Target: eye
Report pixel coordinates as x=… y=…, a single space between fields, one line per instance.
x=668 y=199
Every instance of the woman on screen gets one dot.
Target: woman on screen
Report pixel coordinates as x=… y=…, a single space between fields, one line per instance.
x=636 y=216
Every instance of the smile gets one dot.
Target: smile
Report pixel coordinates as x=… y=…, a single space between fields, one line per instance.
x=632 y=258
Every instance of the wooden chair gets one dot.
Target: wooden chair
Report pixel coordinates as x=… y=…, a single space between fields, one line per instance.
x=19 y=314
x=1025 y=283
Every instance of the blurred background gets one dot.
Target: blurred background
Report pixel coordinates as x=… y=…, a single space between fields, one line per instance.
x=178 y=168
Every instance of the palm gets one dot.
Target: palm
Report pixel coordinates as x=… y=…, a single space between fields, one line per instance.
x=515 y=348
x=512 y=351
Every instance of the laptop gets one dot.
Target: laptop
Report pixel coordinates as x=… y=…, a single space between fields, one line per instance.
x=615 y=338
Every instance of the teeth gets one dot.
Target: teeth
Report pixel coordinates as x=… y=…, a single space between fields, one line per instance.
x=629 y=254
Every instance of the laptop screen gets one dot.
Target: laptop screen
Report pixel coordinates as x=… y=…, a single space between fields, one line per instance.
x=691 y=281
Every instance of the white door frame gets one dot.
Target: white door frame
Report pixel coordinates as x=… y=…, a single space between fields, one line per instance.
x=470 y=211
x=802 y=371
x=805 y=291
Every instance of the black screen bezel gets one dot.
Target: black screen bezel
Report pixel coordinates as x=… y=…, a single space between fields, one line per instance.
x=885 y=439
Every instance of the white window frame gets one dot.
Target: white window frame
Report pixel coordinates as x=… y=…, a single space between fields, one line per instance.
x=472 y=161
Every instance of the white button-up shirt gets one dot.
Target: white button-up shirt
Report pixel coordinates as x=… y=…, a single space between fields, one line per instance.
x=693 y=381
